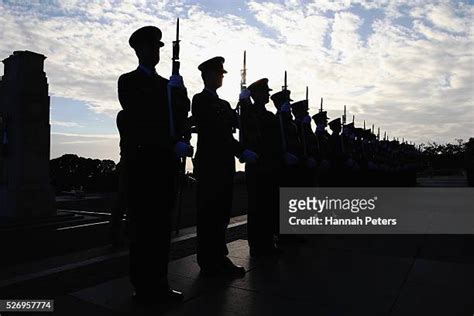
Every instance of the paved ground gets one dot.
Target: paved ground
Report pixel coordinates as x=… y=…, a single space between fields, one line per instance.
x=327 y=275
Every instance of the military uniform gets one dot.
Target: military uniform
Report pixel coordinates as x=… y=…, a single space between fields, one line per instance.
x=337 y=155
x=308 y=141
x=290 y=174
x=322 y=148
x=150 y=164
x=214 y=167
x=262 y=135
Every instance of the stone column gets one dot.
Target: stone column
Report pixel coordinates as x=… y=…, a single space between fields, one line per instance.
x=25 y=189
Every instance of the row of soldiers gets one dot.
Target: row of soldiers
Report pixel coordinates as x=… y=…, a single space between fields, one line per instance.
x=279 y=150
x=348 y=156
x=291 y=154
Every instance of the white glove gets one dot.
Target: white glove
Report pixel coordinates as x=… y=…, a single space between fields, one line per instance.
x=249 y=156
x=290 y=159
x=176 y=81
x=311 y=163
x=244 y=95
x=306 y=120
x=285 y=107
x=183 y=150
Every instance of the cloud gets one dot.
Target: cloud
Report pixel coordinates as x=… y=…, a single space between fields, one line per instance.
x=97 y=146
x=444 y=17
x=413 y=79
x=345 y=39
x=65 y=124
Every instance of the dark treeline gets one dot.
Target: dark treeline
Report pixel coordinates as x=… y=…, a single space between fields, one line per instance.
x=71 y=172
x=448 y=156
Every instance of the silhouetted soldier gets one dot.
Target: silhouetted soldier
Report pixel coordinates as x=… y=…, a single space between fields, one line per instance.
x=307 y=165
x=3 y=137
x=289 y=135
x=336 y=153
x=262 y=135
x=322 y=148
x=292 y=152
x=214 y=167
x=150 y=150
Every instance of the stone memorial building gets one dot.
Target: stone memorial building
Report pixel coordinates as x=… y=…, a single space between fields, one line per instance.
x=25 y=189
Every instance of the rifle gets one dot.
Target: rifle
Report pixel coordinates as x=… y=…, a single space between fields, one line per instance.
x=243 y=73
x=182 y=165
x=303 y=132
x=282 y=127
x=344 y=116
x=243 y=86
x=3 y=137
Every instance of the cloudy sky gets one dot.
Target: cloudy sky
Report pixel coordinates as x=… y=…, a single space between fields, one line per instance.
x=405 y=66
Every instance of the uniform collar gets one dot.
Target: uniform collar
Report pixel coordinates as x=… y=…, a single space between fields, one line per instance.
x=320 y=128
x=147 y=71
x=212 y=92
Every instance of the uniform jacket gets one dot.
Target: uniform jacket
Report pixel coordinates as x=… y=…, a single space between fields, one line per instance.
x=262 y=135
x=145 y=118
x=215 y=120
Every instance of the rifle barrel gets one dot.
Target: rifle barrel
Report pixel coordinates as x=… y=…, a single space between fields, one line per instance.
x=177 y=30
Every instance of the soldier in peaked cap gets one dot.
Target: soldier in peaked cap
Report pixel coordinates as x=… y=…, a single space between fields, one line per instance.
x=322 y=145
x=321 y=118
x=150 y=153
x=214 y=167
x=288 y=130
x=280 y=98
x=336 y=153
x=145 y=36
x=307 y=166
x=335 y=126
x=262 y=135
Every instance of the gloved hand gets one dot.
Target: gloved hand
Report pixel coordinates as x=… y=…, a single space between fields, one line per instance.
x=285 y=108
x=349 y=163
x=311 y=163
x=290 y=159
x=244 y=95
x=249 y=156
x=324 y=166
x=306 y=120
x=176 y=81
x=372 y=166
x=183 y=150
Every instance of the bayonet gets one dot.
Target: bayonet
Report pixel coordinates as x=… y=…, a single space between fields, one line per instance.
x=243 y=73
x=175 y=59
x=344 y=116
x=282 y=127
